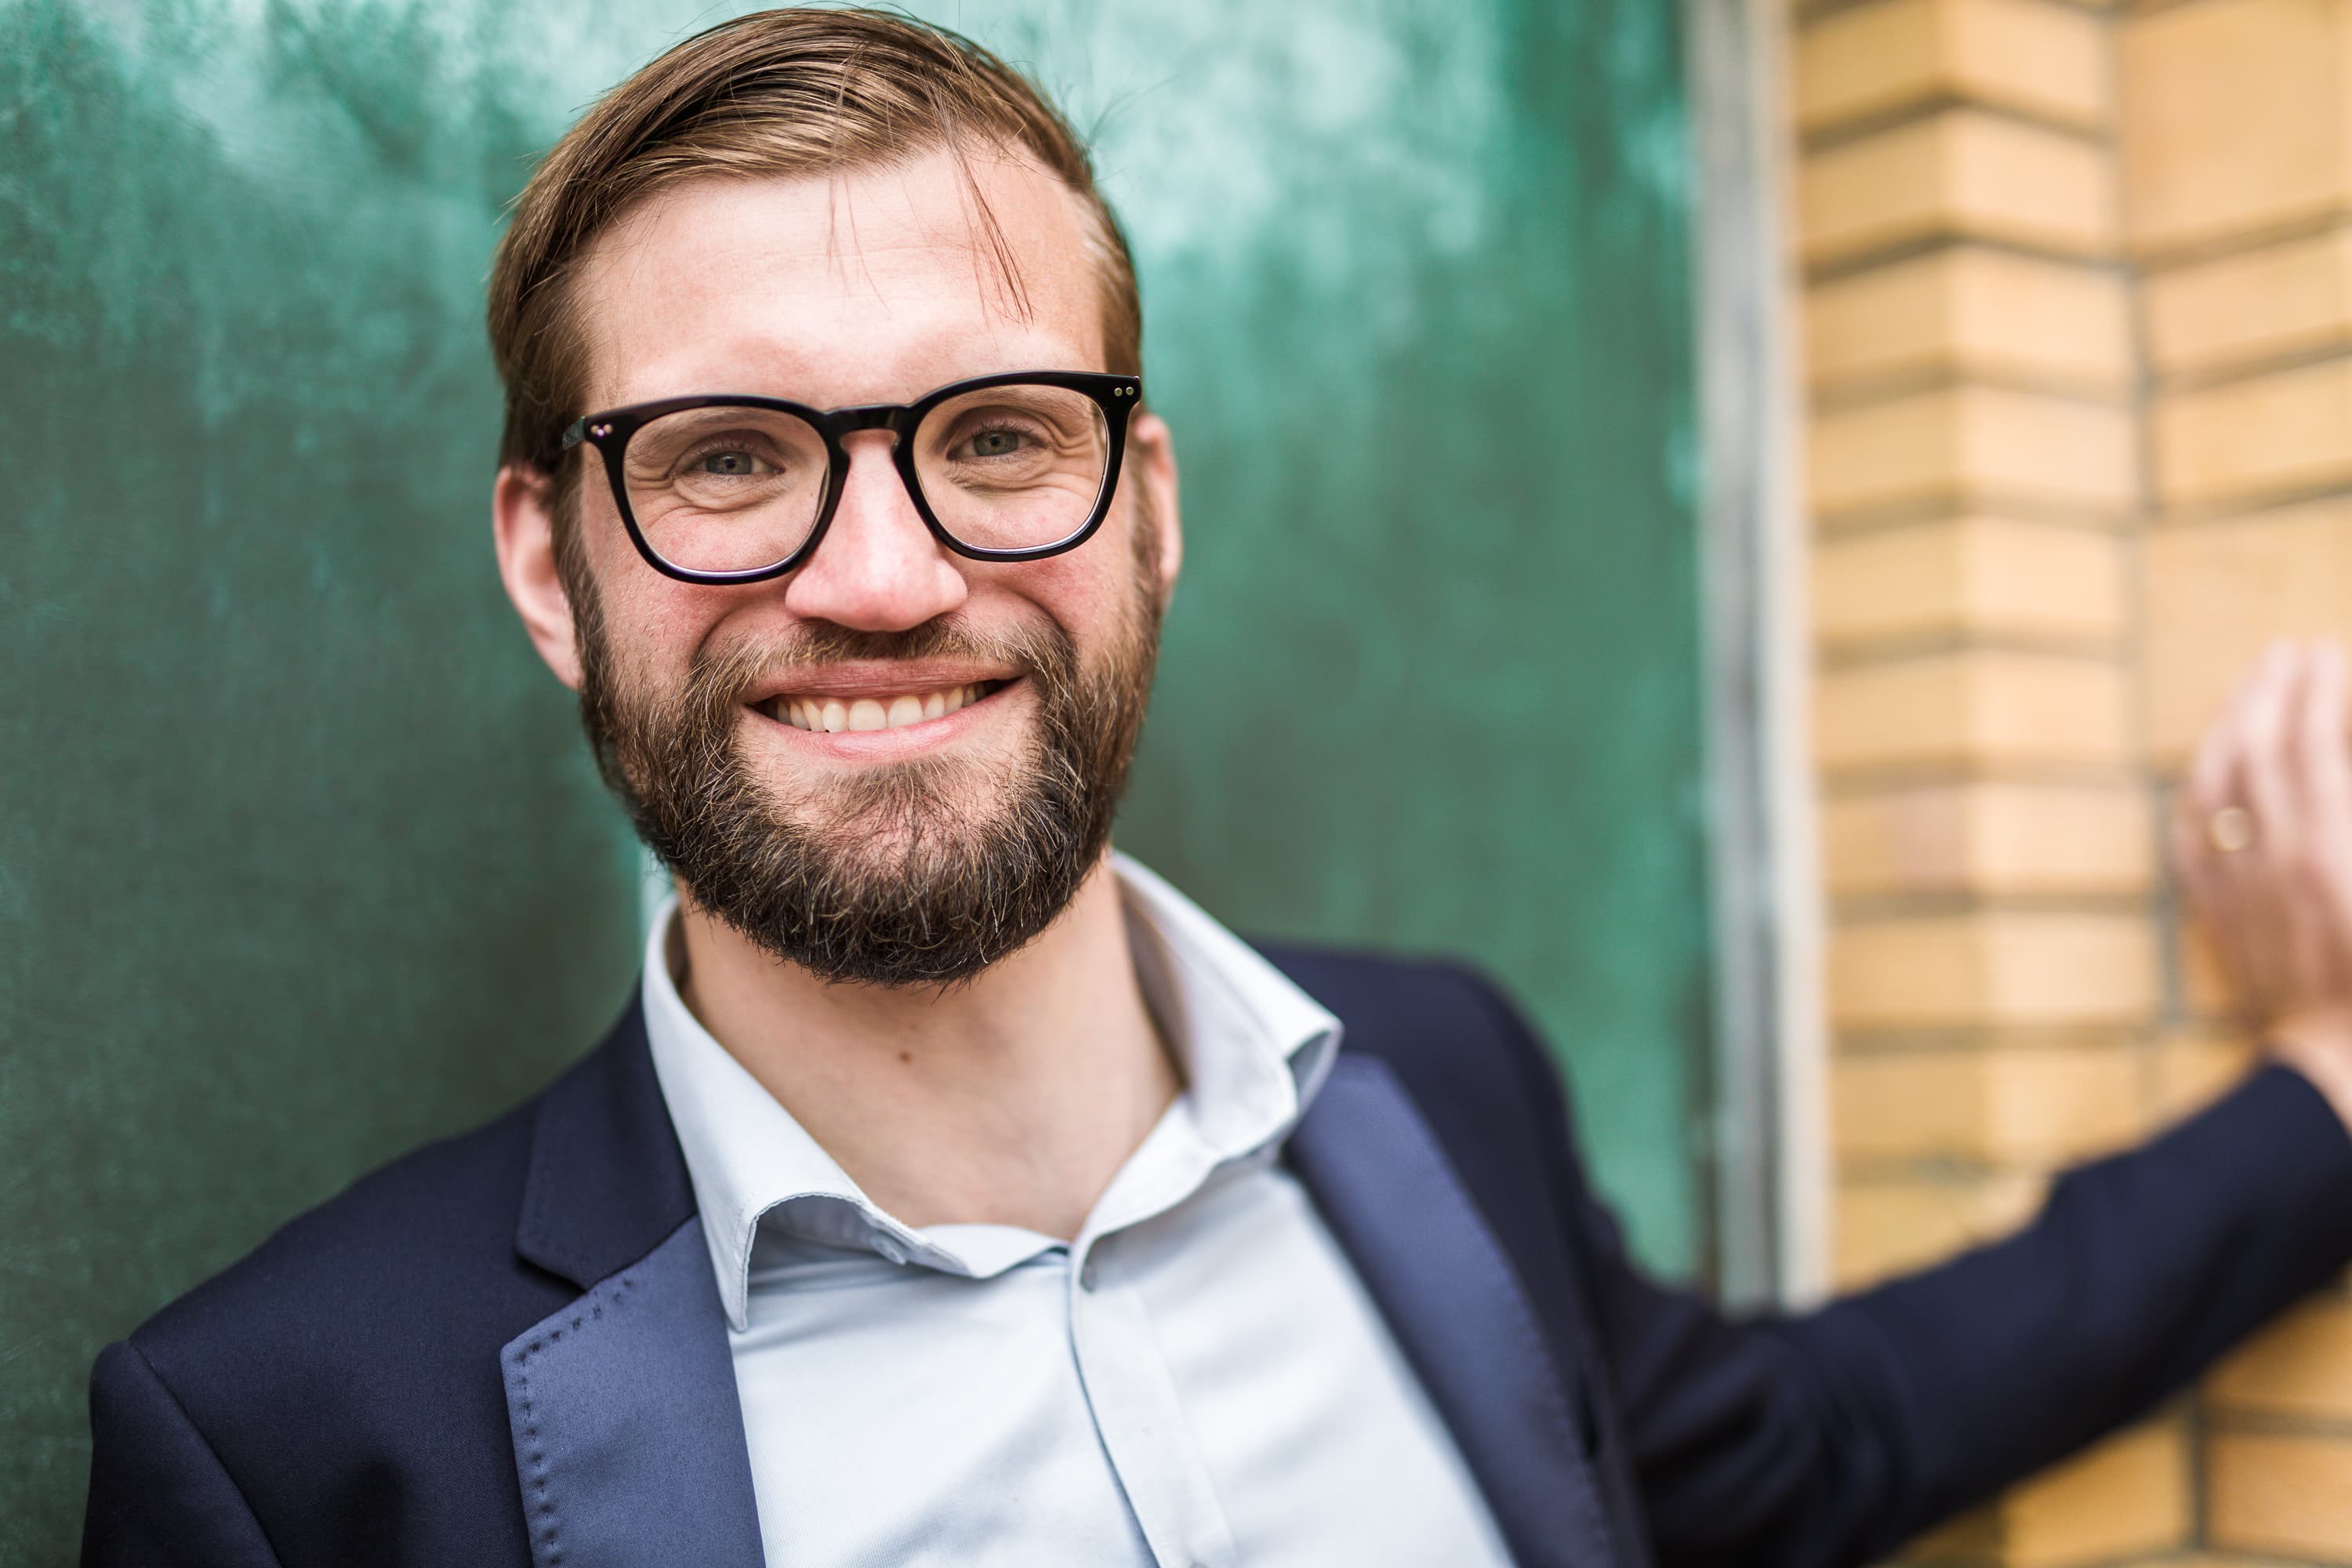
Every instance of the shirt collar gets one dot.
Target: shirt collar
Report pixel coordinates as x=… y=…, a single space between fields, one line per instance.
x=1253 y=1048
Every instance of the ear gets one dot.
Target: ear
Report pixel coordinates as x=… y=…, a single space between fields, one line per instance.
x=523 y=519
x=1151 y=449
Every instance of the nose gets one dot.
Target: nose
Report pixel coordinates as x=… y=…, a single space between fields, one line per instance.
x=877 y=569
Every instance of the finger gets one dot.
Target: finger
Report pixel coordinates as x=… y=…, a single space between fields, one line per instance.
x=2328 y=807
x=2310 y=729
x=2240 y=924
x=2246 y=915
x=2205 y=789
x=2259 y=764
x=2323 y=754
x=2209 y=771
x=2244 y=930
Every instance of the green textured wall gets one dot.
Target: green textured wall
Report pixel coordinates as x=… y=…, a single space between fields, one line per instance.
x=1417 y=297
x=300 y=860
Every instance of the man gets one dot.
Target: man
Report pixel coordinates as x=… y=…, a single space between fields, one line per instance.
x=957 y=1191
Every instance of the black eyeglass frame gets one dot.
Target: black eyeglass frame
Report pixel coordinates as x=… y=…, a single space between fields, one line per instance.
x=610 y=430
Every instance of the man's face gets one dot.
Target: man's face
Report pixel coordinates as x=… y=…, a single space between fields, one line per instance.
x=1011 y=692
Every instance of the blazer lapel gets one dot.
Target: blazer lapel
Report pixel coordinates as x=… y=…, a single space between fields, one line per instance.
x=1459 y=1313
x=628 y=1435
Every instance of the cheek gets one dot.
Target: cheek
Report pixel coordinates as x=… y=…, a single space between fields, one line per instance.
x=649 y=618
x=1094 y=585
x=655 y=627
x=1086 y=593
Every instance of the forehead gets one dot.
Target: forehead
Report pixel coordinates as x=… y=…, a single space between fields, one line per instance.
x=869 y=286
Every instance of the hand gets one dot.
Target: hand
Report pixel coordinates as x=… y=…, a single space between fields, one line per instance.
x=2263 y=838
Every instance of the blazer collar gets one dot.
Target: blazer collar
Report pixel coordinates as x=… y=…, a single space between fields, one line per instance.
x=606 y=1183
x=628 y=1434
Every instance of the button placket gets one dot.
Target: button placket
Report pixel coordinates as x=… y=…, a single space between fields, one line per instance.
x=1142 y=1424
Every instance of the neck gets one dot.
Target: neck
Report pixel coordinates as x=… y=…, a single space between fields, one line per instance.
x=1010 y=1099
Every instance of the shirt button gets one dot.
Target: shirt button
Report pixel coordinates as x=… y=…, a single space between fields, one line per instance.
x=1087 y=1278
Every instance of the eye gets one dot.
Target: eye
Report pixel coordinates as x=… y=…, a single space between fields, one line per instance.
x=997 y=443
x=727 y=465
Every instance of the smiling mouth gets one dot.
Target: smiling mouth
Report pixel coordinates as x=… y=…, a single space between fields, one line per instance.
x=883 y=710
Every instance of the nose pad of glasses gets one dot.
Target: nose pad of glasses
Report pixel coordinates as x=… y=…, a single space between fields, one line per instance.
x=873 y=416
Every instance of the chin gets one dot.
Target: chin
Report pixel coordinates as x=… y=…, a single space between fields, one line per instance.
x=886 y=810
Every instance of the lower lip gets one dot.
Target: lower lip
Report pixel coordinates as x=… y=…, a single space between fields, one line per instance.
x=889 y=745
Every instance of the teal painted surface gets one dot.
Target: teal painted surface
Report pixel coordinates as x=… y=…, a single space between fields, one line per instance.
x=1417 y=286
x=300 y=863
x=299 y=859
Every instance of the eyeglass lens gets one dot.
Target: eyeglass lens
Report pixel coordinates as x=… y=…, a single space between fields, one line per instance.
x=734 y=488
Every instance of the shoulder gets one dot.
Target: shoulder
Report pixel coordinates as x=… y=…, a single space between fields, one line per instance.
x=394 y=1293
x=1480 y=1081
x=426 y=1236
x=347 y=1367
x=1443 y=1027
x=1458 y=1046
x=439 y=1234
x=431 y=1210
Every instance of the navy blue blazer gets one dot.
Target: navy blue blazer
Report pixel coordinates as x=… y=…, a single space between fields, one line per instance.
x=508 y=1348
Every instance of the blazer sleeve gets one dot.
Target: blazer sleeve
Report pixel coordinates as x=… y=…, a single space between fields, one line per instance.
x=158 y=1496
x=1832 y=1436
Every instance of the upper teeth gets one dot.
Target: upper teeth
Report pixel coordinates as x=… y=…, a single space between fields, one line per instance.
x=834 y=715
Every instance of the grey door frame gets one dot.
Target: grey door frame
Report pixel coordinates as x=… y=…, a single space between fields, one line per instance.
x=1764 y=1144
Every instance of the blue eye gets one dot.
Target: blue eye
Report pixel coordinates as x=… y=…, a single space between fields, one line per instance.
x=728 y=465
x=994 y=444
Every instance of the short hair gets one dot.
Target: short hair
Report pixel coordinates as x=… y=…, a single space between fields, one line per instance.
x=794 y=92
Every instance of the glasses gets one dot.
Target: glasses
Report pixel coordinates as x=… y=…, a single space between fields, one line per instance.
x=734 y=488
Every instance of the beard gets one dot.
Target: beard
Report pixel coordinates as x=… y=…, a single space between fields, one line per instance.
x=916 y=873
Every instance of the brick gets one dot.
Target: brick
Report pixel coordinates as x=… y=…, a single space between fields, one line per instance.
x=1969 y=1538
x=1971 y=310
x=1976 y=707
x=1889 y=1225
x=2294 y=297
x=1991 y=968
x=2129 y=1493
x=2027 y=55
x=2301 y=1366
x=1969 y=577
x=2288 y=1493
x=2265 y=436
x=1983 y=448
x=2002 y=1106
x=1990 y=838
x=2194 y=1068
x=2217 y=592
x=1960 y=174
x=2232 y=118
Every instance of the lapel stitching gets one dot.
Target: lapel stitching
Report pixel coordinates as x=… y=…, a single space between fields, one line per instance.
x=538 y=1506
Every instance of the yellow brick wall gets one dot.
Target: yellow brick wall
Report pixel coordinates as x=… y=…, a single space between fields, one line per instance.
x=2077 y=335
x=2235 y=134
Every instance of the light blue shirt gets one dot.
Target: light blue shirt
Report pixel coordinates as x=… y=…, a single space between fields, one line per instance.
x=1197 y=1381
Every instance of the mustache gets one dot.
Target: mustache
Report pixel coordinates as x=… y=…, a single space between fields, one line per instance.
x=720 y=677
